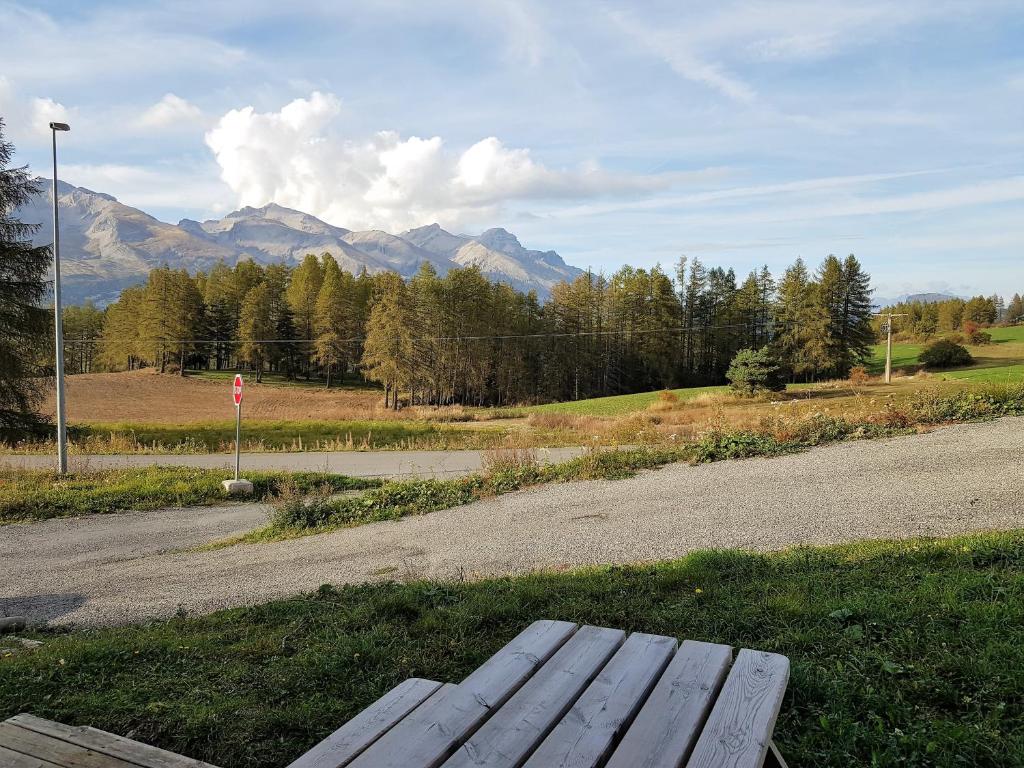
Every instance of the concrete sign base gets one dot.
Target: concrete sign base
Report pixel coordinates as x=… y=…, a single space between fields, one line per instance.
x=238 y=487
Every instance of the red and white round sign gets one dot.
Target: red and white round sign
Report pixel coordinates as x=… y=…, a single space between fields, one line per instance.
x=236 y=390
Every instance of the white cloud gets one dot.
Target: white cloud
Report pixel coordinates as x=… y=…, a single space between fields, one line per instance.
x=174 y=186
x=44 y=111
x=171 y=111
x=28 y=120
x=295 y=157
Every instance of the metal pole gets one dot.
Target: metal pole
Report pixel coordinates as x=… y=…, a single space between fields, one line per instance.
x=58 y=325
x=238 y=437
x=888 y=352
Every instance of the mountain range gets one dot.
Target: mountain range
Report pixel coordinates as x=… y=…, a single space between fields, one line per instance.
x=107 y=245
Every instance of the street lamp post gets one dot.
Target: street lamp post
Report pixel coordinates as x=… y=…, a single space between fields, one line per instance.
x=58 y=324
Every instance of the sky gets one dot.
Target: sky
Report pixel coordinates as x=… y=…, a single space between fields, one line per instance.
x=739 y=133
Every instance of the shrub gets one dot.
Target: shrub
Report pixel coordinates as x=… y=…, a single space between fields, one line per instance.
x=753 y=371
x=980 y=338
x=945 y=354
x=859 y=376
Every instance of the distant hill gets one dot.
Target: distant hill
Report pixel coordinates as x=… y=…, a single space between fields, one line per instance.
x=909 y=298
x=106 y=245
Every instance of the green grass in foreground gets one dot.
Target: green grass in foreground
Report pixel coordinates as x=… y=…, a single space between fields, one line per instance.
x=40 y=494
x=206 y=437
x=903 y=654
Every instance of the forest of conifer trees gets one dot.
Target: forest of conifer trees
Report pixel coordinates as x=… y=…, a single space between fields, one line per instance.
x=459 y=338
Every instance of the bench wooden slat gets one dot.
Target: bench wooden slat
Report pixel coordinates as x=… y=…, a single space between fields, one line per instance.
x=57 y=751
x=739 y=728
x=668 y=725
x=511 y=733
x=587 y=734
x=11 y=759
x=108 y=743
x=342 y=746
x=433 y=731
x=502 y=674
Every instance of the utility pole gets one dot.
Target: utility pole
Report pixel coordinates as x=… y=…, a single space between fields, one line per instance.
x=887 y=327
x=58 y=320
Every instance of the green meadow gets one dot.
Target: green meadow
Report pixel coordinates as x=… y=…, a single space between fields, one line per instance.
x=903 y=653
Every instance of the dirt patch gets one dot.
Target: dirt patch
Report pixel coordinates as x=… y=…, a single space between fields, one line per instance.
x=150 y=397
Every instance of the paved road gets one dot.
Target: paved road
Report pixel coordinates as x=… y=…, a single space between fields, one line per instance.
x=353 y=463
x=116 y=569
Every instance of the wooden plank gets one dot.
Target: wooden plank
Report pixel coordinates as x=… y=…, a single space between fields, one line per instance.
x=433 y=731
x=587 y=734
x=342 y=746
x=512 y=732
x=135 y=752
x=740 y=725
x=668 y=725
x=11 y=759
x=62 y=753
x=502 y=674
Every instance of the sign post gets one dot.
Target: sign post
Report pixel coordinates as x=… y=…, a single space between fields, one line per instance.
x=238 y=486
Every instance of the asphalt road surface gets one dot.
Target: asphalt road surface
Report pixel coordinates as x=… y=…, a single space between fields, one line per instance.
x=122 y=568
x=353 y=463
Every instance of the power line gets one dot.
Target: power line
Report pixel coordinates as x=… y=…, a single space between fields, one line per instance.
x=566 y=334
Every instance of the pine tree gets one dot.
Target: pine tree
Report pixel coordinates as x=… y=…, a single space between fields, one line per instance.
x=801 y=324
x=24 y=324
x=389 y=345
x=82 y=325
x=1015 y=309
x=255 y=324
x=844 y=293
x=302 y=292
x=333 y=318
x=123 y=346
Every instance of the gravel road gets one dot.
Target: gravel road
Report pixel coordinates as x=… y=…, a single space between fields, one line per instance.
x=117 y=569
x=352 y=463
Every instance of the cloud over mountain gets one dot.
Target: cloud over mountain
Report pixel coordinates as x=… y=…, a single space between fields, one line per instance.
x=297 y=157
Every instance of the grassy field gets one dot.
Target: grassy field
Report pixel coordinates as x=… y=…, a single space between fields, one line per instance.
x=267 y=435
x=36 y=495
x=908 y=654
x=142 y=411
x=1000 y=361
x=618 y=405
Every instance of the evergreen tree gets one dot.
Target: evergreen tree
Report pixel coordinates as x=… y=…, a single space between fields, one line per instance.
x=844 y=293
x=333 y=318
x=82 y=325
x=255 y=324
x=302 y=292
x=24 y=323
x=801 y=324
x=389 y=345
x=1015 y=309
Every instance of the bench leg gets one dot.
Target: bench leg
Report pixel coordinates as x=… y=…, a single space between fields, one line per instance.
x=774 y=759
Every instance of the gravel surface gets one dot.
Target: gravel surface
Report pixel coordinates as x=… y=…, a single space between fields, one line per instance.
x=117 y=569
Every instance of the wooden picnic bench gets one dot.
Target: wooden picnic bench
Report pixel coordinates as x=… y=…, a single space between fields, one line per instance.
x=558 y=695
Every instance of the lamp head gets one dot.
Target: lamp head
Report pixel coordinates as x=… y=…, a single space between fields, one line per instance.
x=60 y=127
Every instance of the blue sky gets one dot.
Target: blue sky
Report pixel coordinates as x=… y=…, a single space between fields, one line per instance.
x=740 y=133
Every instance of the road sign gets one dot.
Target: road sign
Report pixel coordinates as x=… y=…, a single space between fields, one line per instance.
x=236 y=390
x=885 y=327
